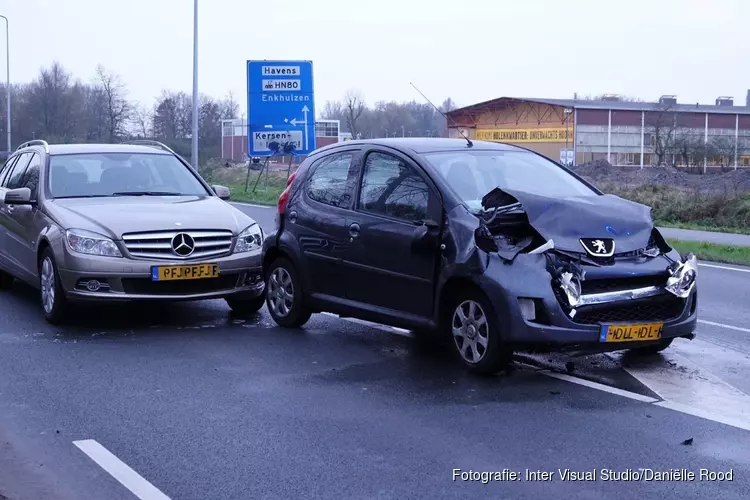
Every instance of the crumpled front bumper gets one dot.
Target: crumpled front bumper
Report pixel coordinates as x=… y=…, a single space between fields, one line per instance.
x=557 y=326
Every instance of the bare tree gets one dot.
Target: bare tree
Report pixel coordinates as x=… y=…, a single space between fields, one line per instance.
x=115 y=96
x=354 y=106
x=229 y=107
x=662 y=128
x=721 y=150
x=142 y=118
x=333 y=110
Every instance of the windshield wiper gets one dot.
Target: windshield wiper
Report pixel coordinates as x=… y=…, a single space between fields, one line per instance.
x=81 y=196
x=146 y=193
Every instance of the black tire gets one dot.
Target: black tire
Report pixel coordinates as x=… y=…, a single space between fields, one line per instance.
x=6 y=280
x=497 y=355
x=59 y=311
x=287 y=313
x=244 y=306
x=653 y=348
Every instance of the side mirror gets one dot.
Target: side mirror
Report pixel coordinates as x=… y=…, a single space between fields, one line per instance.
x=20 y=196
x=221 y=191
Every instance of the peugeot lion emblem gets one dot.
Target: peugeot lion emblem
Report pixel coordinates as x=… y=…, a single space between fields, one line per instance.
x=183 y=244
x=598 y=247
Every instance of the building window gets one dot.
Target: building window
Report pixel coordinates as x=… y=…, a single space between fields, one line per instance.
x=326 y=129
x=226 y=129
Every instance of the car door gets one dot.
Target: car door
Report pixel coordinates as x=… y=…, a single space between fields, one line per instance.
x=12 y=170
x=396 y=202
x=23 y=227
x=317 y=218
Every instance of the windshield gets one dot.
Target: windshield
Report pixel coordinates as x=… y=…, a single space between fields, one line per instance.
x=472 y=174
x=120 y=174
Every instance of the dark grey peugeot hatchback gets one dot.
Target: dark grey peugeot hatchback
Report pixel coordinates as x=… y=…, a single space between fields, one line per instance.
x=493 y=245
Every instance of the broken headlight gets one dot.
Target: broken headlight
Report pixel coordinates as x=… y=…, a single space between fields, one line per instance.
x=683 y=275
x=571 y=285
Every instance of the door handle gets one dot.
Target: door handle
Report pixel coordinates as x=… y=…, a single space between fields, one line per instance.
x=11 y=208
x=354 y=230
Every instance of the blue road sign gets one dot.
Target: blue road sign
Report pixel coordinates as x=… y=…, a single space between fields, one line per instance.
x=280 y=107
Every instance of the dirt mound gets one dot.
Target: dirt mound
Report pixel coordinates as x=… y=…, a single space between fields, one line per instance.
x=601 y=173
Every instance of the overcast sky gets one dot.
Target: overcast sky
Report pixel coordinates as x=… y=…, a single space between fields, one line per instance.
x=467 y=50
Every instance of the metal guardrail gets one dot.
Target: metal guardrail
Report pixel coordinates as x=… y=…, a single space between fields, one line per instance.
x=35 y=142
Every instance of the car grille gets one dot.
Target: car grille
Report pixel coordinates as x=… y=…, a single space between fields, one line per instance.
x=158 y=244
x=144 y=286
x=660 y=308
x=589 y=286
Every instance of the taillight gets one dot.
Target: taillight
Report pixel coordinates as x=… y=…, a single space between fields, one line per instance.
x=284 y=197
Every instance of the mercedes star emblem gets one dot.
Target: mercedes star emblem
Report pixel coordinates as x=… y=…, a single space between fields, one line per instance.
x=183 y=244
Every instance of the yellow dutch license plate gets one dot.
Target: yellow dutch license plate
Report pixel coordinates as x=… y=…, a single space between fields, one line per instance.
x=631 y=333
x=190 y=272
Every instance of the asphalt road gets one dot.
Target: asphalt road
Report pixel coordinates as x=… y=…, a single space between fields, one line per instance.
x=202 y=404
x=709 y=236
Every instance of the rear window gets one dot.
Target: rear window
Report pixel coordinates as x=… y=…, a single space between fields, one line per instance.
x=99 y=174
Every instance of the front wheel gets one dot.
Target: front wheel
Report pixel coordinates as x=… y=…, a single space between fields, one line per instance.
x=246 y=305
x=477 y=334
x=54 y=303
x=285 y=297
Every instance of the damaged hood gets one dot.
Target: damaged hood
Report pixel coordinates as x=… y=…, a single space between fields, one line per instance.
x=567 y=220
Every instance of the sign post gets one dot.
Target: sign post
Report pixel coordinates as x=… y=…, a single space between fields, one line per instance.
x=281 y=107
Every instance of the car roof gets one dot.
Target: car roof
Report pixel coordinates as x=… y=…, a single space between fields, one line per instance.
x=421 y=145
x=67 y=149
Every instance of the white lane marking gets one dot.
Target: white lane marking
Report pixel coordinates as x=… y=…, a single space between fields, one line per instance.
x=600 y=387
x=385 y=328
x=715 y=266
x=120 y=471
x=250 y=204
x=743 y=424
x=722 y=325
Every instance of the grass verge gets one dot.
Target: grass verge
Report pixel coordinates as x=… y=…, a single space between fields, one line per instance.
x=727 y=254
x=263 y=194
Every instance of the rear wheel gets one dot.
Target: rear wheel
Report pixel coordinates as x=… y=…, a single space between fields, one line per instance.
x=285 y=297
x=242 y=305
x=54 y=303
x=477 y=335
x=6 y=280
x=654 y=348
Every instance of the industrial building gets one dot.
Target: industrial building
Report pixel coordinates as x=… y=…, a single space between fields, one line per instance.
x=234 y=137
x=623 y=132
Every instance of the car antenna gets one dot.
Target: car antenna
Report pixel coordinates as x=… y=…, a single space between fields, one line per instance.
x=444 y=115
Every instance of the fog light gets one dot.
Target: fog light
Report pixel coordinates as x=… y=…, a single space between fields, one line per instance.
x=93 y=285
x=528 y=309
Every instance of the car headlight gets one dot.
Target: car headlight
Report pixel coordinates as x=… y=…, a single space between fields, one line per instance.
x=90 y=243
x=683 y=275
x=250 y=239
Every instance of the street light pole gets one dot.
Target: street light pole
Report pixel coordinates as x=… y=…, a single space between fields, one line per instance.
x=7 y=89
x=195 y=86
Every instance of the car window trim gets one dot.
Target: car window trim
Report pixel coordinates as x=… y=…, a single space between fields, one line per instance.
x=30 y=155
x=34 y=195
x=316 y=163
x=410 y=162
x=7 y=167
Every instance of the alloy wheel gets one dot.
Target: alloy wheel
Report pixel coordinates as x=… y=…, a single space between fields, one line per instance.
x=48 y=285
x=470 y=331
x=280 y=292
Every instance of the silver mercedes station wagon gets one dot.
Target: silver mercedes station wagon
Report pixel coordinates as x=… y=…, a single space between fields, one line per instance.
x=122 y=222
